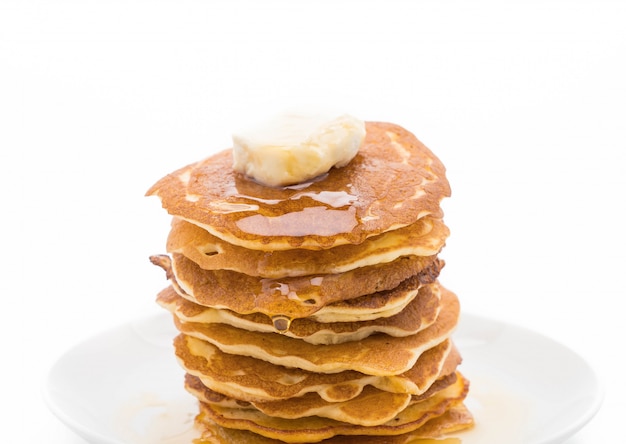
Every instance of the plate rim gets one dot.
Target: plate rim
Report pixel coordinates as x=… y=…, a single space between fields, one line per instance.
x=595 y=380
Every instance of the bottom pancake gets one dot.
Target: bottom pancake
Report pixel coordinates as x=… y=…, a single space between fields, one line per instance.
x=315 y=429
x=456 y=419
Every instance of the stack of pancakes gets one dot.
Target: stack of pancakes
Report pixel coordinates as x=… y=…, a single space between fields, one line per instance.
x=313 y=312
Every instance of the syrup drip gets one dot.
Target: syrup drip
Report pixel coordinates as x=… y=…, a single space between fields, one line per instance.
x=281 y=323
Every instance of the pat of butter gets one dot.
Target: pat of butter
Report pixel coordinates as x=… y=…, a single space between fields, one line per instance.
x=296 y=147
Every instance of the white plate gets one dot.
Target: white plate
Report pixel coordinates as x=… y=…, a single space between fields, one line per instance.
x=125 y=386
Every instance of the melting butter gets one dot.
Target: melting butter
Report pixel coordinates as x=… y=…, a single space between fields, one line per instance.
x=295 y=147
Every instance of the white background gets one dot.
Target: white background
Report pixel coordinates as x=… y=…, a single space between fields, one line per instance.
x=525 y=103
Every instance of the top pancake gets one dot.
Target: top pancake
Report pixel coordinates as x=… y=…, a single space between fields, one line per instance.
x=393 y=181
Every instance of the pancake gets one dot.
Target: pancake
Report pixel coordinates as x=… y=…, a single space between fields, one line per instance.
x=253 y=380
x=315 y=429
x=388 y=405
x=455 y=419
x=425 y=237
x=296 y=297
x=378 y=355
x=364 y=308
x=393 y=181
x=383 y=304
x=419 y=314
x=196 y=387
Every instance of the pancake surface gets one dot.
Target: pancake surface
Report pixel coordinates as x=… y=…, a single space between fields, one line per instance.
x=393 y=181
